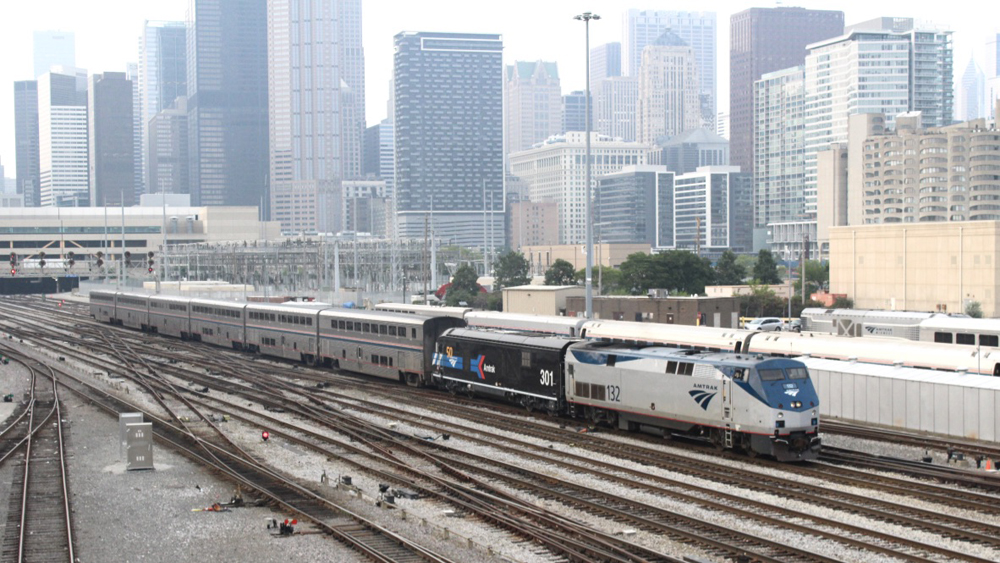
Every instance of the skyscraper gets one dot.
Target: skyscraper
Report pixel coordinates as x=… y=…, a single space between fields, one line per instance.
x=449 y=135
x=615 y=105
x=697 y=29
x=110 y=140
x=352 y=86
x=162 y=78
x=138 y=148
x=534 y=103
x=605 y=62
x=779 y=147
x=765 y=40
x=64 y=176
x=167 y=167
x=26 y=140
x=992 y=74
x=970 y=100
x=573 y=112
x=668 y=89
x=54 y=48
x=227 y=102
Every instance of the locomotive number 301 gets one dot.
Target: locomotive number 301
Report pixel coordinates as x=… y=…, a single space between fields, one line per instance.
x=548 y=377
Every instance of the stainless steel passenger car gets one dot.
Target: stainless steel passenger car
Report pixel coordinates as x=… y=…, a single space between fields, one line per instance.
x=283 y=331
x=396 y=346
x=170 y=316
x=102 y=305
x=132 y=310
x=426 y=310
x=539 y=324
x=218 y=322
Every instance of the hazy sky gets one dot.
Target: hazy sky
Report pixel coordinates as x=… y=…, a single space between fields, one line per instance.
x=107 y=34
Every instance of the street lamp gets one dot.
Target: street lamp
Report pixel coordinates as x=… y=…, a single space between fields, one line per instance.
x=586 y=17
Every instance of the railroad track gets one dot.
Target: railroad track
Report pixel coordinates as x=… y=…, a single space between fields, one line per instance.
x=39 y=514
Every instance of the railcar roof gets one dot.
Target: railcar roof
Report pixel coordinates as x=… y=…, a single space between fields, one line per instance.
x=219 y=303
x=512 y=337
x=376 y=315
x=515 y=317
x=280 y=308
x=679 y=354
x=170 y=298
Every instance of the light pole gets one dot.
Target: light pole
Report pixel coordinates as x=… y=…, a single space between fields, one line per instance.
x=586 y=17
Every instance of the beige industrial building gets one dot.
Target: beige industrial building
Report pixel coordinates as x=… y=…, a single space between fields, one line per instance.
x=723 y=312
x=610 y=255
x=85 y=231
x=539 y=299
x=939 y=266
x=781 y=290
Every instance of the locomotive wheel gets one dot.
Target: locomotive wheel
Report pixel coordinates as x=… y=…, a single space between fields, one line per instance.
x=716 y=438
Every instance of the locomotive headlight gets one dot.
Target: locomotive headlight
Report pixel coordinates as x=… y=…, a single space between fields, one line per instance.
x=781 y=415
x=814 y=412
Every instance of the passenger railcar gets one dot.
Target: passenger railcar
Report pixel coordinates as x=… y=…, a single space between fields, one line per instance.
x=170 y=316
x=396 y=346
x=541 y=324
x=961 y=330
x=132 y=310
x=427 y=310
x=525 y=369
x=102 y=305
x=220 y=323
x=283 y=331
x=760 y=405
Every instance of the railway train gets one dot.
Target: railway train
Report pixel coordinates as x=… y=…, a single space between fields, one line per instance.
x=981 y=360
x=759 y=404
x=925 y=327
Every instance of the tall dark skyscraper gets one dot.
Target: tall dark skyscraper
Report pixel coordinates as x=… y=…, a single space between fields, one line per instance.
x=574 y=117
x=162 y=78
x=110 y=140
x=26 y=140
x=227 y=102
x=765 y=40
x=449 y=135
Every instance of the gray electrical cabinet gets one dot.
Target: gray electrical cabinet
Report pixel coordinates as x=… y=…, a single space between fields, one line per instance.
x=124 y=419
x=139 y=446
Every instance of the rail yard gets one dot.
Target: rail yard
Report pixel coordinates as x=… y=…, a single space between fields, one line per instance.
x=377 y=470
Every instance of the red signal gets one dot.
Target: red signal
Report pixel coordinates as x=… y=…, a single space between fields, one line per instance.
x=13 y=272
x=264 y=435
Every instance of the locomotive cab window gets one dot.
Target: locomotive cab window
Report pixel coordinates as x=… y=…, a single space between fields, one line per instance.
x=611 y=360
x=988 y=340
x=738 y=374
x=942 y=337
x=770 y=374
x=671 y=367
x=797 y=373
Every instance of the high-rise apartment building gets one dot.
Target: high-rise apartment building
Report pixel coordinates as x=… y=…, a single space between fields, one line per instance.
x=625 y=204
x=533 y=98
x=692 y=150
x=54 y=48
x=110 y=147
x=722 y=124
x=64 y=177
x=449 y=135
x=668 y=90
x=315 y=83
x=161 y=79
x=227 y=102
x=779 y=147
x=616 y=102
x=26 y=141
x=713 y=210
x=970 y=103
x=697 y=29
x=574 y=111
x=556 y=172
x=881 y=66
x=764 y=40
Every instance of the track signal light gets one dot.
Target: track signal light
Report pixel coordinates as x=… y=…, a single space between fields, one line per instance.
x=264 y=435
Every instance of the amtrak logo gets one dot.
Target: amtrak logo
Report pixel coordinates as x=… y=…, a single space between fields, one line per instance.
x=792 y=392
x=479 y=367
x=703 y=398
x=454 y=362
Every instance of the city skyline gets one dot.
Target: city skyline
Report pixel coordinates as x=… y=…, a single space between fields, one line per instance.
x=545 y=32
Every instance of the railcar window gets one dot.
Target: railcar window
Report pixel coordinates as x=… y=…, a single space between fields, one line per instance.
x=309 y=321
x=392 y=330
x=771 y=374
x=350 y=325
x=797 y=373
x=382 y=329
x=367 y=327
x=282 y=319
x=943 y=337
x=342 y=325
x=597 y=392
x=390 y=361
x=969 y=339
x=989 y=340
x=402 y=332
x=374 y=359
x=671 y=367
x=413 y=333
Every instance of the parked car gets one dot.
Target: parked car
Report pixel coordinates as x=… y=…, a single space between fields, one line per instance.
x=766 y=324
x=795 y=325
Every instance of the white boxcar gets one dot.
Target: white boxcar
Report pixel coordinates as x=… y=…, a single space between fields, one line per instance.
x=540 y=324
x=218 y=322
x=170 y=316
x=283 y=331
x=951 y=404
x=102 y=305
x=132 y=310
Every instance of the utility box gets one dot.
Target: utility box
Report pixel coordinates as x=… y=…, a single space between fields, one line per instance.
x=125 y=419
x=139 y=446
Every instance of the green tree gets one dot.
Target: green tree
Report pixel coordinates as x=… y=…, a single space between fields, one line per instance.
x=843 y=303
x=511 y=270
x=761 y=302
x=765 y=271
x=684 y=271
x=728 y=271
x=463 y=286
x=638 y=273
x=974 y=309
x=560 y=273
x=747 y=261
x=607 y=279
